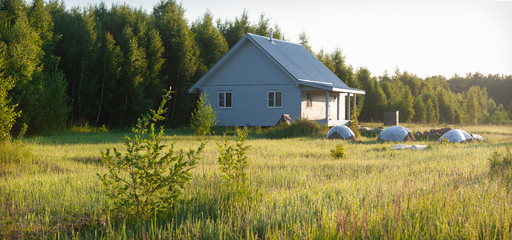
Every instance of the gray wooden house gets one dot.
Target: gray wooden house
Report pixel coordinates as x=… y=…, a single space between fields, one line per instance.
x=261 y=78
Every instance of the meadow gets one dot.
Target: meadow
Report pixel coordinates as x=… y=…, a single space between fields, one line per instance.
x=50 y=190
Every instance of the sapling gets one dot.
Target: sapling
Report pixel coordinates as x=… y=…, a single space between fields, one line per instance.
x=233 y=158
x=146 y=180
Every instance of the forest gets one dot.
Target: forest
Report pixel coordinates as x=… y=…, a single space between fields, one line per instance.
x=102 y=65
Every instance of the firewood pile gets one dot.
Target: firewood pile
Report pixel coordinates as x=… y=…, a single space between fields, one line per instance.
x=435 y=134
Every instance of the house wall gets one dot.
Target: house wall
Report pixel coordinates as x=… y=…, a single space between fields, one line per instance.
x=317 y=110
x=249 y=75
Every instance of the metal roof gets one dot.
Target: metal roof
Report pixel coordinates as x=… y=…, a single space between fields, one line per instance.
x=301 y=64
x=293 y=58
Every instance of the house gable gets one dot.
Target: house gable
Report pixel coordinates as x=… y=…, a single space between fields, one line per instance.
x=253 y=58
x=249 y=66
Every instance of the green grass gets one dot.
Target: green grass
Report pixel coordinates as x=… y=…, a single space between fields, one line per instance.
x=296 y=190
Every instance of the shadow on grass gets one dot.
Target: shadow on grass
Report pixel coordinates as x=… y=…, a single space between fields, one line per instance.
x=111 y=137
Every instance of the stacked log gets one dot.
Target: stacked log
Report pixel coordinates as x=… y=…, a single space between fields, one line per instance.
x=435 y=134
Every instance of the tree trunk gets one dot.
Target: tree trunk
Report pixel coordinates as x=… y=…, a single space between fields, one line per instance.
x=101 y=96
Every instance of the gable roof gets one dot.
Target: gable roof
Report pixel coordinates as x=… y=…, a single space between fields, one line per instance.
x=294 y=59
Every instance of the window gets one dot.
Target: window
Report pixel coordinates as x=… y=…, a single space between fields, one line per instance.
x=309 y=100
x=275 y=99
x=225 y=99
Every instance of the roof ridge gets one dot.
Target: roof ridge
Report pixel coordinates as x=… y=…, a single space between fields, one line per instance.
x=274 y=39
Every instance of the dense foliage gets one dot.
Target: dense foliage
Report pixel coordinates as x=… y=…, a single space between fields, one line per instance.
x=474 y=99
x=101 y=65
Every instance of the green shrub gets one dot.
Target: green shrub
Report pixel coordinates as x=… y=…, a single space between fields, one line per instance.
x=203 y=118
x=88 y=129
x=143 y=181
x=354 y=123
x=233 y=159
x=500 y=167
x=338 y=152
x=8 y=114
x=299 y=128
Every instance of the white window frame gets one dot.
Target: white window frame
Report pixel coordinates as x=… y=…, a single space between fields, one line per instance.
x=224 y=99
x=274 y=99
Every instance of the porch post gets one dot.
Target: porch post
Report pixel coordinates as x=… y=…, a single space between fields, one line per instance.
x=355 y=95
x=338 y=107
x=348 y=106
x=327 y=107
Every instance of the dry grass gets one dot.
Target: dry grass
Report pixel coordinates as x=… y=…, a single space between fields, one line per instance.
x=296 y=191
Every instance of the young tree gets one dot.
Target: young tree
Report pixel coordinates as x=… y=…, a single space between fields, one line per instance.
x=143 y=181
x=233 y=159
x=203 y=118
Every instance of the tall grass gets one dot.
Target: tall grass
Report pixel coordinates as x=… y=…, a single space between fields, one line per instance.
x=295 y=190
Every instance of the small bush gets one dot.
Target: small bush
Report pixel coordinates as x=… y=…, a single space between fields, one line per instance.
x=299 y=128
x=338 y=152
x=354 y=123
x=144 y=181
x=203 y=118
x=233 y=159
x=500 y=167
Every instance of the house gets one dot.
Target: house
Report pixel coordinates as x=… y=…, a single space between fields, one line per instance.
x=261 y=78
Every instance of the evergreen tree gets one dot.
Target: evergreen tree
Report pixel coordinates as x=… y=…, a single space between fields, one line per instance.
x=111 y=61
x=419 y=110
x=79 y=53
x=431 y=107
x=304 y=41
x=132 y=75
x=181 y=54
x=234 y=31
x=212 y=45
x=471 y=107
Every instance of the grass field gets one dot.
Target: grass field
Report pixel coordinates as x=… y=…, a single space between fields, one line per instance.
x=296 y=190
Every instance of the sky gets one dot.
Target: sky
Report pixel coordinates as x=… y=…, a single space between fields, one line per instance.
x=422 y=37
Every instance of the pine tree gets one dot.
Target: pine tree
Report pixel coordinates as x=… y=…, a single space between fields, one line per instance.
x=212 y=45
x=110 y=66
x=304 y=41
x=419 y=110
x=181 y=54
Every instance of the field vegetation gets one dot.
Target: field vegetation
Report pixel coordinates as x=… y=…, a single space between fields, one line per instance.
x=49 y=188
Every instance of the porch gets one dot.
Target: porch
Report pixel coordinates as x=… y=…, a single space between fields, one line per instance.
x=327 y=107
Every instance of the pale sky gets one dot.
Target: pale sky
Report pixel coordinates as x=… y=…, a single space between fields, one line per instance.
x=419 y=36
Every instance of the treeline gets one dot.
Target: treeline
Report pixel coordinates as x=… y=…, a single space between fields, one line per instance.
x=107 y=65
x=473 y=99
x=103 y=65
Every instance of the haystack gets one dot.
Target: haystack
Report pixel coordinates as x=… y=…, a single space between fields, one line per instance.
x=397 y=134
x=341 y=132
